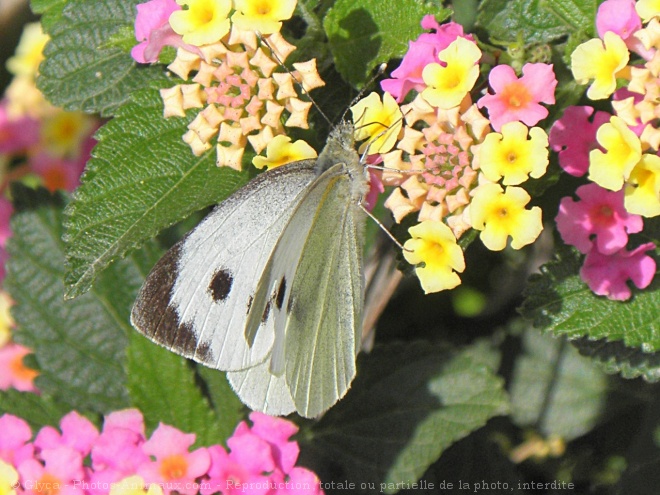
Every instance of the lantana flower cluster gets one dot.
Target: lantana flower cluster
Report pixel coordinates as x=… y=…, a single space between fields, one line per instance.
x=122 y=460
x=618 y=152
x=450 y=165
x=231 y=75
x=42 y=144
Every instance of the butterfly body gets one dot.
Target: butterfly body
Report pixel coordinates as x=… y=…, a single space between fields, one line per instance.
x=269 y=287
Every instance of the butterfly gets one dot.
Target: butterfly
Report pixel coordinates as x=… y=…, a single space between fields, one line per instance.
x=269 y=286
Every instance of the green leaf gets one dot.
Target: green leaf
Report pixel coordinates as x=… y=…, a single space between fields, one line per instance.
x=614 y=357
x=407 y=405
x=50 y=11
x=521 y=21
x=558 y=301
x=37 y=410
x=472 y=462
x=555 y=389
x=228 y=407
x=81 y=71
x=142 y=178
x=362 y=33
x=78 y=345
x=162 y=385
x=579 y=14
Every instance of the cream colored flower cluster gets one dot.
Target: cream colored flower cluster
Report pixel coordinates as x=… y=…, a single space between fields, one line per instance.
x=443 y=150
x=244 y=99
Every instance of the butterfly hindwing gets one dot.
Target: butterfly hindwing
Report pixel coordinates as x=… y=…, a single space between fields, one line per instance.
x=196 y=299
x=260 y=390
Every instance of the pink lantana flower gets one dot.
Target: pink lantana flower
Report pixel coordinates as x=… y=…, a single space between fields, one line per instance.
x=17 y=135
x=277 y=432
x=229 y=476
x=153 y=30
x=14 y=446
x=574 y=136
x=519 y=99
x=61 y=468
x=599 y=213
x=421 y=52
x=13 y=372
x=608 y=275
x=78 y=432
x=175 y=467
x=58 y=173
x=621 y=18
x=618 y=16
x=117 y=452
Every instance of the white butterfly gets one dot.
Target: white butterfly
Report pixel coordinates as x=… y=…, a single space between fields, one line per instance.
x=269 y=286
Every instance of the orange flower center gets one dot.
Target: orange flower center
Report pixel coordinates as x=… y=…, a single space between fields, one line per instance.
x=54 y=179
x=516 y=95
x=174 y=467
x=22 y=372
x=603 y=215
x=48 y=485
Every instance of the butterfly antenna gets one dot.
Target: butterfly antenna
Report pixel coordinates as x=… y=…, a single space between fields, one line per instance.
x=381 y=70
x=383 y=228
x=293 y=76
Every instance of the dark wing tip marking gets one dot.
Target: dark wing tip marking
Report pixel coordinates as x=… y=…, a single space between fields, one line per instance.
x=221 y=284
x=153 y=316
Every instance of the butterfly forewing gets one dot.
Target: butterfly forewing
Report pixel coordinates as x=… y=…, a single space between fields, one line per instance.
x=196 y=299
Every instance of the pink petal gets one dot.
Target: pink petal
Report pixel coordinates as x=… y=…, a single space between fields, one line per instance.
x=251 y=452
x=600 y=213
x=607 y=275
x=167 y=440
x=130 y=419
x=541 y=81
x=500 y=77
x=618 y=16
x=574 y=136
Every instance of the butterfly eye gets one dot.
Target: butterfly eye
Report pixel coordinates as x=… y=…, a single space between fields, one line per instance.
x=220 y=285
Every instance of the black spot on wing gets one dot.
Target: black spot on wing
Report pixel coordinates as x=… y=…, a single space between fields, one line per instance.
x=279 y=296
x=153 y=316
x=220 y=285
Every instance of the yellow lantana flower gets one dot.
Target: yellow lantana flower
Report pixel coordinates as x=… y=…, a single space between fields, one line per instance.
x=64 y=132
x=647 y=9
x=447 y=86
x=281 y=151
x=8 y=479
x=510 y=155
x=29 y=52
x=264 y=16
x=379 y=122
x=623 y=150
x=203 y=22
x=500 y=214
x=135 y=485
x=600 y=61
x=642 y=195
x=437 y=256
x=6 y=321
